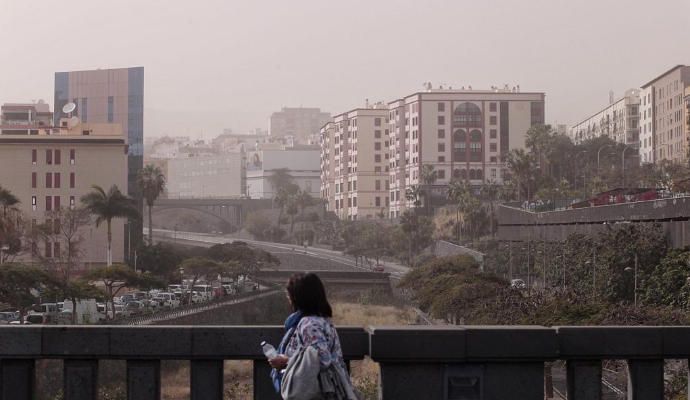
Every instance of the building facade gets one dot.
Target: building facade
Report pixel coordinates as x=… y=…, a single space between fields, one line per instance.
x=646 y=151
x=25 y=118
x=619 y=121
x=354 y=163
x=462 y=134
x=298 y=122
x=300 y=162
x=667 y=125
x=49 y=171
x=110 y=96
x=221 y=176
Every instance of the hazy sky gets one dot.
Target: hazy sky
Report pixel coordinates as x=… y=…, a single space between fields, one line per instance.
x=213 y=64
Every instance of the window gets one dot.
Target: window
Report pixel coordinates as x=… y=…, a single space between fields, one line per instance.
x=441 y=107
x=377 y=201
x=34 y=156
x=56 y=180
x=441 y=147
x=441 y=133
x=377 y=146
x=56 y=249
x=377 y=121
x=49 y=180
x=354 y=185
x=49 y=157
x=492 y=120
x=493 y=159
x=377 y=134
x=349 y=202
x=441 y=120
x=71 y=202
x=354 y=202
x=492 y=147
x=377 y=158
x=56 y=226
x=33 y=180
x=56 y=202
x=492 y=133
x=33 y=203
x=83 y=114
x=441 y=174
x=441 y=158
x=58 y=157
x=49 y=203
x=71 y=180
x=111 y=106
x=72 y=156
x=492 y=107
x=49 y=250
x=377 y=185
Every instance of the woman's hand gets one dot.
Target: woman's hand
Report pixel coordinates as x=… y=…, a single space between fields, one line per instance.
x=279 y=362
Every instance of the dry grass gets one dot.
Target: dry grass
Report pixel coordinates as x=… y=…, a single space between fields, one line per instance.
x=363 y=315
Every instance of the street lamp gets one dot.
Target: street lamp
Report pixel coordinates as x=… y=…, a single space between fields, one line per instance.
x=623 y=162
x=599 y=154
x=628 y=269
x=584 y=182
x=5 y=248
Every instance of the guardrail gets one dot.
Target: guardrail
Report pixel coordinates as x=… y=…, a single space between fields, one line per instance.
x=471 y=362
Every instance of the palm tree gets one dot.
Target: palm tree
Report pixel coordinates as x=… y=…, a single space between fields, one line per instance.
x=108 y=205
x=520 y=164
x=428 y=176
x=152 y=183
x=7 y=200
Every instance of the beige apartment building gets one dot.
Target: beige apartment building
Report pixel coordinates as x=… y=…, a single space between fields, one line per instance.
x=54 y=168
x=462 y=134
x=620 y=121
x=354 y=163
x=664 y=134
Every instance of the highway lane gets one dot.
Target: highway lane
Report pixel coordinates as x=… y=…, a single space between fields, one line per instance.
x=291 y=255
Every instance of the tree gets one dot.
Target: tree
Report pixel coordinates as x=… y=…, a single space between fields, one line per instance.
x=151 y=181
x=428 y=177
x=206 y=268
x=520 y=165
x=258 y=225
x=280 y=179
x=413 y=195
x=20 y=285
x=418 y=231
x=490 y=193
x=160 y=260
x=106 y=206
x=116 y=277
x=7 y=200
x=669 y=282
x=248 y=260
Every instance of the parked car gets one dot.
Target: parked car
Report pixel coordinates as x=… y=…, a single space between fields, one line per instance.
x=205 y=291
x=7 y=317
x=135 y=308
x=167 y=300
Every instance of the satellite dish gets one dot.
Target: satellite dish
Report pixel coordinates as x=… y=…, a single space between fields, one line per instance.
x=69 y=108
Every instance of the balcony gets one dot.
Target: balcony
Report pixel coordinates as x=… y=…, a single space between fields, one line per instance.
x=472 y=362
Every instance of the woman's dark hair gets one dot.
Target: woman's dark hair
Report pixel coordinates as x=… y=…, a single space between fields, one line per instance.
x=308 y=295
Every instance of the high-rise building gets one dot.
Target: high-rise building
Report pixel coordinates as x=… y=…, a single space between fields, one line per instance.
x=52 y=169
x=301 y=162
x=619 y=121
x=354 y=163
x=220 y=176
x=662 y=116
x=462 y=134
x=298 y=122
x=110 y=96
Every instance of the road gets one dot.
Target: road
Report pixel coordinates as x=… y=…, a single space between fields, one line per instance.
x=291 y=256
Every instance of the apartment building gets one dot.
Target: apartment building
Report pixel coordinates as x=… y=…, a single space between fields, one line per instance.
x=619 y=121
x=301 y=163
x=298 y=123
x=220 y=176
x=687 y=109
x=25 y=118
x=354 y=163
x=665 y=135
x=53 y=168
x=462 y=134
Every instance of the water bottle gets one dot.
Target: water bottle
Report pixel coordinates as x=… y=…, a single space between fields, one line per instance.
x=269 y=351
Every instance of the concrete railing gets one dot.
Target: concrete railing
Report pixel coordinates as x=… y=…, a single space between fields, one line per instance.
x=459 y=363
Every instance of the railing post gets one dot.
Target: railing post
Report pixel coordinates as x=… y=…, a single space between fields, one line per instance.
x=207 y=380
x=80 y=379
x=584 y=379
x=17 y=380
x=143 y=379
x=263 y=387
x=645 y=379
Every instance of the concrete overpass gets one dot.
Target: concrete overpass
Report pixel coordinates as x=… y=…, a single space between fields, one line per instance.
x=230 y=210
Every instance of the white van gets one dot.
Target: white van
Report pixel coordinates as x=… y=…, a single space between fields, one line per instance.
x=205 y=291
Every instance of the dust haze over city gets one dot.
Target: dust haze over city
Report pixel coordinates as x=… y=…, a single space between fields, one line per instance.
x=355 y=201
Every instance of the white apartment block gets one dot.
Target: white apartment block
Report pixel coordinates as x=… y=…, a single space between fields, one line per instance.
x=463 y=134
x=619 y=121
x=301 y=162
x=666 y=126
x=646 y=122
x=354 y=163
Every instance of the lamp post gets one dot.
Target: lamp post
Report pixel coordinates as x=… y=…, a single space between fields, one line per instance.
x=628 y=269
x=623 y=162
x=584 y=182
x=599 y=154
x=5 y=248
